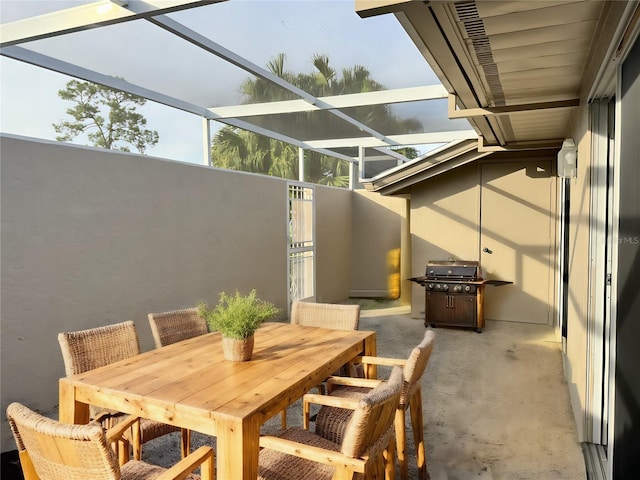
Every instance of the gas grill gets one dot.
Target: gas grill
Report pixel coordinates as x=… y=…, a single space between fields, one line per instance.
x=454 y=293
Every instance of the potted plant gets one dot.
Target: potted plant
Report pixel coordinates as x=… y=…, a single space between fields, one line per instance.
x=237 y=317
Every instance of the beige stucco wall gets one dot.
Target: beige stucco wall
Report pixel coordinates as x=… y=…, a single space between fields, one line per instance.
x=376 y=242
x=445 y=224
x=445 y=214
x=333 y=244
x=92 y=237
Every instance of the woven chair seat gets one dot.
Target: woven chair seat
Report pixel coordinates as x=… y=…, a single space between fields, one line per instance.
x=149 y=429
x=137 y=470
x=281 y=466
x=331 y=422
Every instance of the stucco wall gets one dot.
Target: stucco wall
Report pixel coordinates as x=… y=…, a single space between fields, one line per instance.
x=377 y=229
x=444 y=223
x=333 y=244
x=92 y=237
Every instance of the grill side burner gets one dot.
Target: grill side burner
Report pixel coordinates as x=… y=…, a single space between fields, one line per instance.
x=454 y=294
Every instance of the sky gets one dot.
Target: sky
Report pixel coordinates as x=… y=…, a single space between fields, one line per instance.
x=148 y=56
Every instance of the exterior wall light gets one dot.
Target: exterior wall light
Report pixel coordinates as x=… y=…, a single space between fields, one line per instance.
x=567 y=159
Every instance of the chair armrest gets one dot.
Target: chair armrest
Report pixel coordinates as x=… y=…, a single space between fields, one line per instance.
x=117 y=431
x=115 y=436
x=351 y=382
x=202 y=457
x=315 y=454
x=391 y=362
x=329 y=401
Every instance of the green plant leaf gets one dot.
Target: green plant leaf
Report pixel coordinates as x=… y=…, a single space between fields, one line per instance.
x=238 y=316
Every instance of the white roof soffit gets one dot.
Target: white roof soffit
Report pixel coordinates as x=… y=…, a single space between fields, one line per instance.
x=446 y=158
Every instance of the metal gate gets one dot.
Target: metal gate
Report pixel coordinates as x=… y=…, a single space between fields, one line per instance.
x=301 y=244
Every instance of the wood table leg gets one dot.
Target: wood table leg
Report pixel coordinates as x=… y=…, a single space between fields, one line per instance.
x=69 y=410
x=370 y=349
x=237 y=448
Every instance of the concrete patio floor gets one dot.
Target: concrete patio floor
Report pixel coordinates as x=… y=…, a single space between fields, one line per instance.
x=496 y=404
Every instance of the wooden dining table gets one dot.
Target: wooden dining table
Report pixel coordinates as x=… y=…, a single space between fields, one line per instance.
x=189 y=384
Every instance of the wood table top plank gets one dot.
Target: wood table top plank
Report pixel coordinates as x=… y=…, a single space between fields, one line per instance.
x=290 y=362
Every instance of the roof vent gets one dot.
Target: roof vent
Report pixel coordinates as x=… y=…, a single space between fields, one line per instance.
x=467 y=12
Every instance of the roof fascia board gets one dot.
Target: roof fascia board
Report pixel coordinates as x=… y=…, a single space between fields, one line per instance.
x=381 y=97
x=506 y=110
x=371 y=8
x=92 y=15
x=405 y=178
x=406 y=139
x=520 y=146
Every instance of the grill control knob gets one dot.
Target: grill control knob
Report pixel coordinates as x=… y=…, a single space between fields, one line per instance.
x=445 y=287
x=457 y=288
x=438 y=286
x=430 y=286
x=467 y=288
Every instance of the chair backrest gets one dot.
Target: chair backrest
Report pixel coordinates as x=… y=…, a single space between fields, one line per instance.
x=96 y=347
x=61 y=451
x=373 y=419
x=416 y=365
x=174 y=326
x=326 y=315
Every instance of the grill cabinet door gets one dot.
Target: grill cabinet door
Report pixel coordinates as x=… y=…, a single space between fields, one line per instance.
x=437 y=308
x=462 y=310
x=451 y=309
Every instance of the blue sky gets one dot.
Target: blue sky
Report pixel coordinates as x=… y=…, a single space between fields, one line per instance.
x=258 y=30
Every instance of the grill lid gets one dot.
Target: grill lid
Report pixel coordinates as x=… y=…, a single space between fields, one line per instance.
x=457 y=270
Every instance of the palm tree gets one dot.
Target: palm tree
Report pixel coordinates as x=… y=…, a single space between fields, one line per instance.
x=247 y=151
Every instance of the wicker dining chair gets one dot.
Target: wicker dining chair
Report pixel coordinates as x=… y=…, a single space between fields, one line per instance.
x=331 y=423
x=176 y=325
x=92 y=348
x=366 y=450
x=50 y=450
x=325 y=315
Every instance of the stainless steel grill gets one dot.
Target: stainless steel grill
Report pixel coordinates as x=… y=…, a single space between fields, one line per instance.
x=454 y=293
